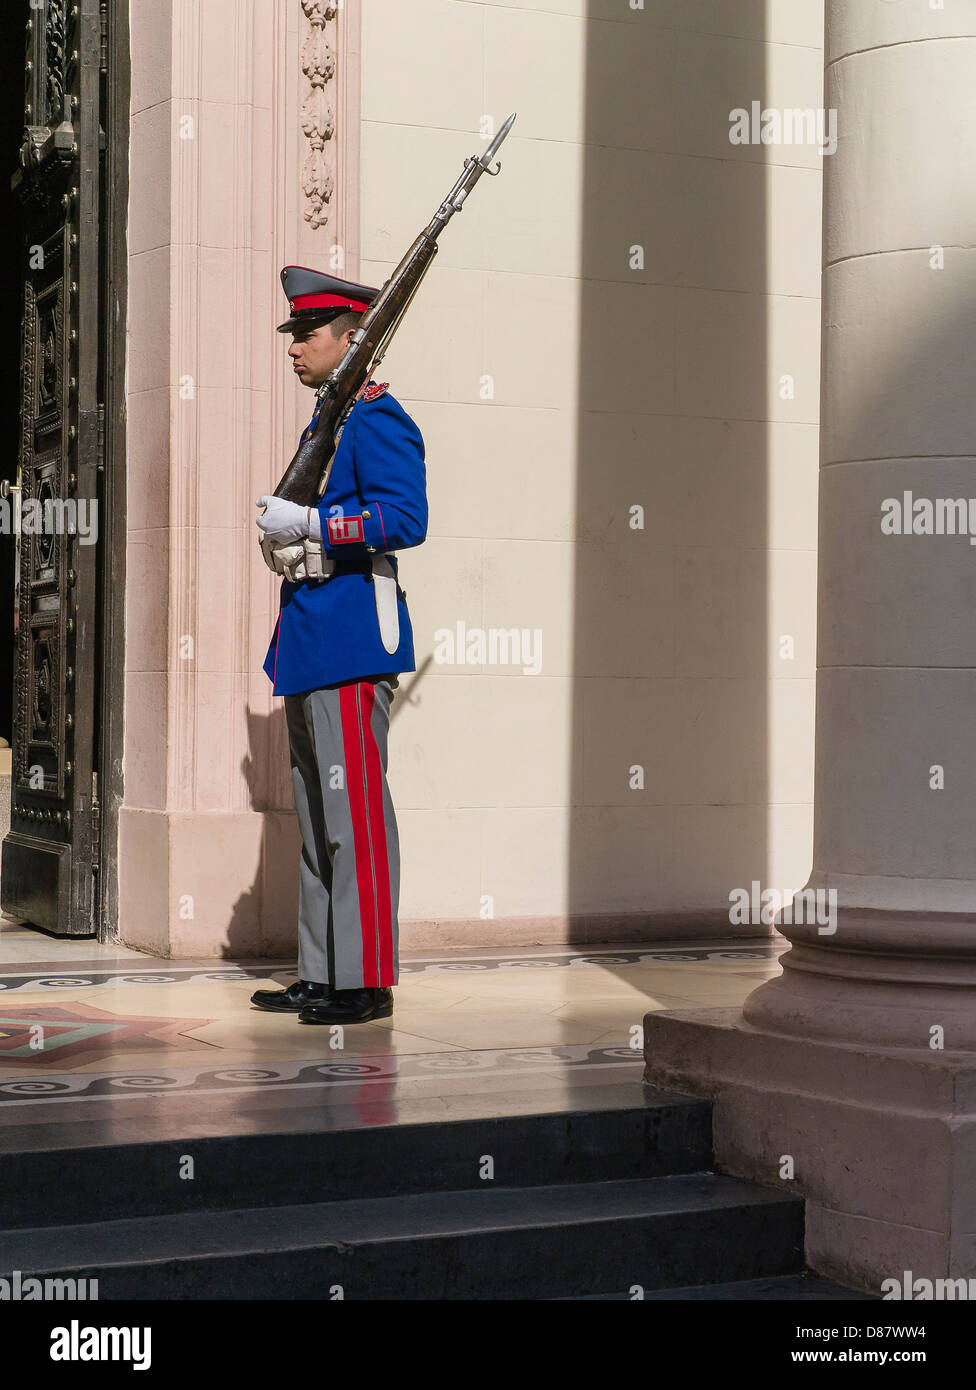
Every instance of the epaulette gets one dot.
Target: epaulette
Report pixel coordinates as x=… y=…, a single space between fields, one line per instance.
x=375 y=389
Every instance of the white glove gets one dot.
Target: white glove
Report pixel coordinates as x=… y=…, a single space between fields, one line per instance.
x=289 y=560
x=266 y=546
x=280 y=558
x=283 y=522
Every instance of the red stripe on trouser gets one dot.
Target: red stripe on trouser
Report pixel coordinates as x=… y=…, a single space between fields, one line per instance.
x=369 y=833
x=374 y=784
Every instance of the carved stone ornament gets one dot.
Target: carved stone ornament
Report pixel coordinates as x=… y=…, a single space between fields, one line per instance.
x=318 y=115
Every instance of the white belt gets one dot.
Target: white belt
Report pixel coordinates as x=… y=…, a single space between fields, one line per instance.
x=306 y=559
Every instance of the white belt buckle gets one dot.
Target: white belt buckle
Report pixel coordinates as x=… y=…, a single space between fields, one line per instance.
x=318 y=565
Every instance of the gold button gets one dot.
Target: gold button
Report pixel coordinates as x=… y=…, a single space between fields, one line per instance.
x=365 y=516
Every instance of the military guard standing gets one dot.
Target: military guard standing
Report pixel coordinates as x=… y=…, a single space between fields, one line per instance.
x=342 y=636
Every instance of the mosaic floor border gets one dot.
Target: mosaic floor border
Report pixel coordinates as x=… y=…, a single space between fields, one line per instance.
x=15 y=979
x=309 y=1072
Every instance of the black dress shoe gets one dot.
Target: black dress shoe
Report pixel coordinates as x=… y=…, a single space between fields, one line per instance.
x=293 y=999
x=350 y=1006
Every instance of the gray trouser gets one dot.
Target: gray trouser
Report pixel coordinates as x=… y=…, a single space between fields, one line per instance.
x=349 y=876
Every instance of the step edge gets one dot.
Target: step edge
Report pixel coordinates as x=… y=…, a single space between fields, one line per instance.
x=682 y=1105
x=759 y=1199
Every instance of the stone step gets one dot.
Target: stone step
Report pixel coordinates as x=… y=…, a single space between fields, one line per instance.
x=778 y=1288
x=565 y=1240
x=613 y=1137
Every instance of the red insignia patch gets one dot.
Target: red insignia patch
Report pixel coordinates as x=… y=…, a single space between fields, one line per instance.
x=344 y=529
x=375 y=389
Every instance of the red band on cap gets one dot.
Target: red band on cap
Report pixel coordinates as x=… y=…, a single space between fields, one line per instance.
x=326 y=301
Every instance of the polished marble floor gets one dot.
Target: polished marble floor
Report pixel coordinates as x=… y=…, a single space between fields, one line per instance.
x=87 y=1030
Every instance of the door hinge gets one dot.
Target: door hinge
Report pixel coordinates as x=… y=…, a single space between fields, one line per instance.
x=103 y=38
x=96 y=825
x=100 y=440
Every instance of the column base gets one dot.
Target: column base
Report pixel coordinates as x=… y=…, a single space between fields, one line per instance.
x=882 y=1143
x=209 y=884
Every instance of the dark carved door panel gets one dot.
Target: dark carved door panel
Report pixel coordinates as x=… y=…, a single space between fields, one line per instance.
x=49 y=863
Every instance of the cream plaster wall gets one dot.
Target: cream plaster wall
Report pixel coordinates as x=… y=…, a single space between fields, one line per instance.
x=612 y=386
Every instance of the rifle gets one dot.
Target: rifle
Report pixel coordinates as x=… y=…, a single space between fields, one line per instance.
x=305 y=478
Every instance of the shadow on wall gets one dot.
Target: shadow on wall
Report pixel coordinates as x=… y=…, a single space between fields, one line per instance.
x=262 y=922
x=257 y=927
x=670 y=641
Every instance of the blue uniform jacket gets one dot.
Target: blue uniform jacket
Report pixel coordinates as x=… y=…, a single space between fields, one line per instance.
x=327 y=629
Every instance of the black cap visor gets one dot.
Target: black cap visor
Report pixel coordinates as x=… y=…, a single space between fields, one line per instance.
x=305 y=320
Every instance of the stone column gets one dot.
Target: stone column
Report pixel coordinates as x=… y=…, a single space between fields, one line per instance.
x=244 y=149
x=859 y=1060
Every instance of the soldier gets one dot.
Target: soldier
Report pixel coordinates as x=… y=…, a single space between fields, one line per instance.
x=337 y=647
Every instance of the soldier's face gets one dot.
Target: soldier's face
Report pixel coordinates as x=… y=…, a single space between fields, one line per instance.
x=315 y=353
